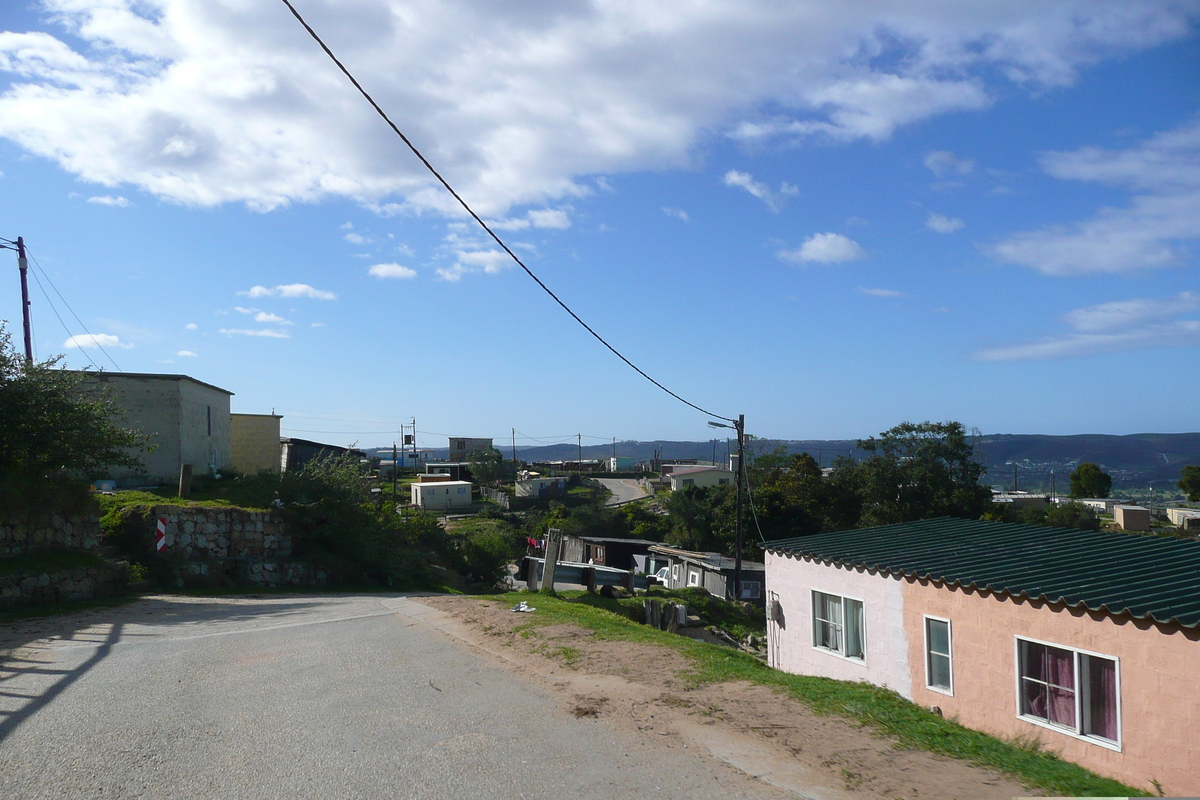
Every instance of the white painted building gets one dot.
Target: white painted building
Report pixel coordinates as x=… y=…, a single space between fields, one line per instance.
x=189 y=422
x=700 y=476
x=1178 y=516
x=441 y=495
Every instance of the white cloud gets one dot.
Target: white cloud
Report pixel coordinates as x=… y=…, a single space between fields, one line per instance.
x=774 y=200
x=289 y=290
x=89 y=341
x=945 y=164
x=186 y=353
x=1113 y=327
x=354 y=238
x=202 y=103
x=392 y=271
x=825 y=248
x=943 y=224
x=191 y=326
x=677 y=213
x=318 y=325
x=880 y=292
x=1164 y=173
x=473 y=261
x=556 y=218
x=267 y=332
x=346 y=226
x=270 y=319
x=1127 y=314
x=106 y=200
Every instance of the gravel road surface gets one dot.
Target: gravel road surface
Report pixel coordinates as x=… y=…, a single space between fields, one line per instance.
x=305 y=697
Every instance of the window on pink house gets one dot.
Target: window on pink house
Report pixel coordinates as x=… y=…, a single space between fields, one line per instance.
x=1068 y=689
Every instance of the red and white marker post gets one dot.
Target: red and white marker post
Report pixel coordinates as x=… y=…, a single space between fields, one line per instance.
x=160 y=534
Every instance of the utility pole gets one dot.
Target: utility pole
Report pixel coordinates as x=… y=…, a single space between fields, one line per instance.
x=741 y=482
x=395 y=468
x=740 y=426
x=579 y=442
x=514 y=445
x=23 y=266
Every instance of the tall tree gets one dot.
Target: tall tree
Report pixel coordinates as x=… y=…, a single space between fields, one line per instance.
x=918 y=471
x=1088 y=480
x=57 y=423
x=488 y=466
x=1189 y=482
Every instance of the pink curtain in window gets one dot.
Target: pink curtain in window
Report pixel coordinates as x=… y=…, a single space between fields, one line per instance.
x=1060 y=673
x=1102 y=697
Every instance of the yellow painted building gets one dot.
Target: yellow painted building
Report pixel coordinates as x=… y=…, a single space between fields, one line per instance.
x=254 y=442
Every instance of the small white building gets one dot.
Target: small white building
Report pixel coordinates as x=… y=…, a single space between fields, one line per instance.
x=441 y=495
x=1101 y=505
x=1020 y=499
x=700 y=476
x=1180 y=516
x=539 y=486
x=621 y=464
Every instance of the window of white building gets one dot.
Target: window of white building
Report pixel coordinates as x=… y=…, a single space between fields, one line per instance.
x=838 y=625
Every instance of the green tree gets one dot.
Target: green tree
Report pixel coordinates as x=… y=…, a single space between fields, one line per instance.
x=488 y=466
x=58 y=423
x=1189 y=482
x=1088 y=480
x=917 y=471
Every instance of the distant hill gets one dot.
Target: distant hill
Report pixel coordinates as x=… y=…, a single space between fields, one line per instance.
x=1135 y=459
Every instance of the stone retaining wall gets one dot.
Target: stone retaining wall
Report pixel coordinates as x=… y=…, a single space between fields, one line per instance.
x=55 y=586
x=214 y=545
x=31 y=534
x=199 y=532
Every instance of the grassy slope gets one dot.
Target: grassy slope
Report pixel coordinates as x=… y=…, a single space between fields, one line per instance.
x=883 y=710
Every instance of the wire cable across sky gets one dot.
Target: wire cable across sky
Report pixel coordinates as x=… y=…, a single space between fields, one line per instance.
x=483 y=224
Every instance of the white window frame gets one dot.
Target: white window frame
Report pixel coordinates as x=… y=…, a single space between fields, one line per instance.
x=1065 y=731
x=674 y=572
x=693 y=577
x=746 y=585
x=812 y=616
x=950 y=655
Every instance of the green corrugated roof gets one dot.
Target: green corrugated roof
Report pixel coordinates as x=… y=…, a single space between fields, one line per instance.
x=1144 y=576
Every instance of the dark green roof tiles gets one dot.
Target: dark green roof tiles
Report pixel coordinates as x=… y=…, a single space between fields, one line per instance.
x=1144 y=576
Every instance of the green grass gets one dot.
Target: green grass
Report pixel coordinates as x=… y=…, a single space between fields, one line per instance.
x=882 y=710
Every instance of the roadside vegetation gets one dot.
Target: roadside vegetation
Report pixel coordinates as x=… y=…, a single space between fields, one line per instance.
x=882 y=710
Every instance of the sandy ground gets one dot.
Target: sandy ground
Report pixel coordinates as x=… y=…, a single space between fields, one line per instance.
x=760 y=732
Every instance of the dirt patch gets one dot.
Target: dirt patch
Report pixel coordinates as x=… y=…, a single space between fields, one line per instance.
x=767 y=734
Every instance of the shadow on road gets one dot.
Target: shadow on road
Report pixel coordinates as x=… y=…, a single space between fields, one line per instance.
x=30 y=671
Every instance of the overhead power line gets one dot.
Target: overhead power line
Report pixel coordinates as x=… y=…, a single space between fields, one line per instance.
x=73 y=314
x=483 y=224
x=50 y=303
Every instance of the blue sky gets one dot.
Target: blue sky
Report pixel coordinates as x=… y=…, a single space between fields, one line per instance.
x=831 y=217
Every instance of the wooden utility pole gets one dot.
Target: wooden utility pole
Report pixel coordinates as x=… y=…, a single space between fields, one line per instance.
x=395 y=469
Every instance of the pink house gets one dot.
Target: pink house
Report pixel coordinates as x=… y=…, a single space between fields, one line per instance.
x=1087 y=641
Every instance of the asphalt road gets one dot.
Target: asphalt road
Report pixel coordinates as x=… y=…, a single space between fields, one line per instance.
x=304 y=697
x=624 y=490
